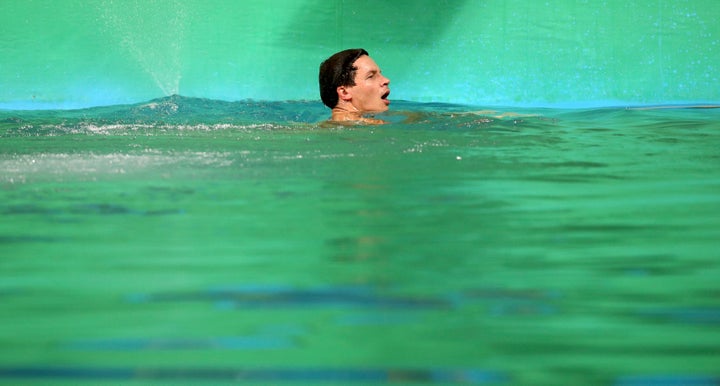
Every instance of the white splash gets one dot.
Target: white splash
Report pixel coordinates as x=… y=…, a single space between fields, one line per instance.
x=152 y=32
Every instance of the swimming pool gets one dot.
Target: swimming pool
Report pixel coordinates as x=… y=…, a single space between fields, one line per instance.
x=200 y=241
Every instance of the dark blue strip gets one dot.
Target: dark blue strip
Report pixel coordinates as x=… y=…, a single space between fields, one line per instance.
x=668 y=380
x=471 y=376
x=66 y=373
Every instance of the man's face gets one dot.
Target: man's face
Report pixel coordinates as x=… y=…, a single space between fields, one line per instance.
x=370 y=92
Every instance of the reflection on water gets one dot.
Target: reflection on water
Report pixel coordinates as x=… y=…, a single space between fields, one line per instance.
x=187 y=240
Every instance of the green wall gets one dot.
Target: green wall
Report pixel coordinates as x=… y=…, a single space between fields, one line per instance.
x=72 y=53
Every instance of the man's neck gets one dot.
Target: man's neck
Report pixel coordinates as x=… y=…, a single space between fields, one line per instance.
x=344 y=114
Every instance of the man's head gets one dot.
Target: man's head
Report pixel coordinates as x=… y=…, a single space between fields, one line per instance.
x=351 y=79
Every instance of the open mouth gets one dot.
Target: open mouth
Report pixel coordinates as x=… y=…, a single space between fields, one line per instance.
x=385 y=96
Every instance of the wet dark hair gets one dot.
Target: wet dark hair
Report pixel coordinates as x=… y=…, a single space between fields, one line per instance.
x=336 y=71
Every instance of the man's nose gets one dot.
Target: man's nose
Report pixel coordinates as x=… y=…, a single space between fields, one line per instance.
x=386 y=81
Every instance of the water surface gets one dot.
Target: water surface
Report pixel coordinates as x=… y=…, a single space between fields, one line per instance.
x=222 y=242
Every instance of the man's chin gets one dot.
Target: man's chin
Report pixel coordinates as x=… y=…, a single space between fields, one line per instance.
x=380 y=109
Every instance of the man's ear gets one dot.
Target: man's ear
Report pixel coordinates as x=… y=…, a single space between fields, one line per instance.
x=344 y=93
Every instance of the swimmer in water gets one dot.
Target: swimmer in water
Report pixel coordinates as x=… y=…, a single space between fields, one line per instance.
x=352 y=85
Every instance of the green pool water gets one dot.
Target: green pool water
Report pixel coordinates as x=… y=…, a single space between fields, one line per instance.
x=192 y=241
